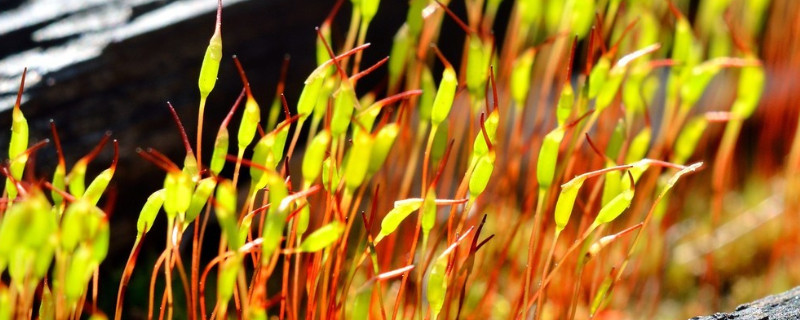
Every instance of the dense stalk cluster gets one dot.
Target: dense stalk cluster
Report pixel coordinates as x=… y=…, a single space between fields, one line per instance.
x=526 y=179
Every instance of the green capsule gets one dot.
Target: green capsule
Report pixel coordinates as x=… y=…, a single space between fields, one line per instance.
x=553 y=12
x=330 y=175
x=687 y=140
x=322 y=237
x=401 y=47
x=477 y=66
x=565 y=103
x=98 y=186
x=6 y=304
x=220 y=151
x=355 y=170
x=611 y=185
x=429 y=94
x=598 y=76
x=414 y=17
x=310 y=95
x=614 y=208
x=698 y=80
x=751 y=86
x=682 y=41
x=521 y=76
x=632 y=88
x=276 y=216
x=444 y=96
x=99 y=243
x=210 y=66
x=178 y=188
x=609 y=88
x=315 y=155
x=59 y=182
x=78 y=274
x=565 y=202
x=344 y=103
x=201 y=194
x=440 y=140
x=393 y=219
x=368 y=10
x=228 y=271
x=75 y=225
x=361 y=302
x=303 y=216
x=479 y=147
x=249 y=124
x=639 y=146
x=47 y=310
x=384 y=140
x=226 y=213
x=19 y=135
x=582 y=17
x=428 y=211
x=437 y=286
x=481 y=175
x=548 y=155
x=530 y=12
x=149 y=211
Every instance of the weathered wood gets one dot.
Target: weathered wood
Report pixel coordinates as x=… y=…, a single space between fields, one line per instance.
x=783 y=306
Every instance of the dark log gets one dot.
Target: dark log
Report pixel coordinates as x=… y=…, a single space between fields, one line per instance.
x=783 y=306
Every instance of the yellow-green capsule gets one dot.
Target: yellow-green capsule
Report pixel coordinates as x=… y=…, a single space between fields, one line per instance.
x=59 y=182
x=548 y=155
x=98 y=186
x=249 y=124
x=565 y=103
x=362 y=301
x=437 y=286
x=582 y=17
x=553 y=12
x=428 y=94
x=682 y=41
x=358 y=161
x=19 y=134
x=598 y=76
x=330 y=175
x=565 y=202
x=530 y=12
x=481 y=175
x=310 y=95
x=687 y=140
x=521 y=75
x=149 y=211
x=201 y=194
x=314 y=156
x=220 y=151
x=322 y=237
x=428 y=211
x=384 y=140
x=751 y=86
x=276 y=216
x=178 y=188
x=698 y=80
x=479 y=147
x=401 y=47
x=226 y=213
x=211 y=60
x=78 y=273
x=444 y=96
x=303 y=216
x=615 y=207
x=393 y=219
x=227 y=279
x=440 y=141
x=610 y=87
x=344 y=103
x=99 y=243
x=368 y=10
x=639 y=146
x=477 y=66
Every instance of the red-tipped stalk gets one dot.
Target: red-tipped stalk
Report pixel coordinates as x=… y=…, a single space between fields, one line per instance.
x=441 y=57
x=455 y=18
x=186 y=144
x=285 y=105
x=367 y=71
x=57 y=140
x=243 y=76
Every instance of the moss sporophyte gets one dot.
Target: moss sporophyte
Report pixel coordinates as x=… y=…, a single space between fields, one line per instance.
x=565 y=138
